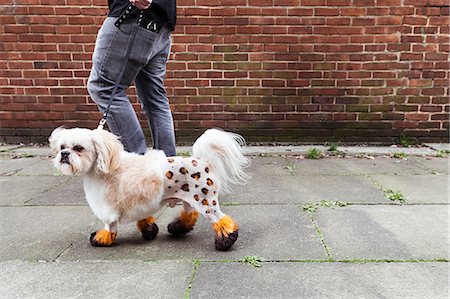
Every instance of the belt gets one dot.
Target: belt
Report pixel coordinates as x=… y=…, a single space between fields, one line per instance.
x=144 y=20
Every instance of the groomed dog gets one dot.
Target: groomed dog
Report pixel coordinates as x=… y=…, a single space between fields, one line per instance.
x=123 y=187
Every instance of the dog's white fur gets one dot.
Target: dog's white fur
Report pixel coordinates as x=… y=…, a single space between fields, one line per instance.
x=121 y=187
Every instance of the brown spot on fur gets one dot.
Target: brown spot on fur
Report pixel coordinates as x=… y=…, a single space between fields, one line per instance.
x=205 y=191
x=196 y=176
x=169 y=174
x=205 y=202
x=170 y=160
x=183 y=170
x=209 y=182
x=207 y=169
x=196 y=197
x=214 y=202
x=194 y=163
x=185 y=187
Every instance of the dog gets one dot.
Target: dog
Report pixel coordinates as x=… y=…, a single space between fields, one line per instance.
x=123 y=187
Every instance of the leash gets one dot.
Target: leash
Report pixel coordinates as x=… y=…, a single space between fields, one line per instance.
x=131 y=8
x=143 y=21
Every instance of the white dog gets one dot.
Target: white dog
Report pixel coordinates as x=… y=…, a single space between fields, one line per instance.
x=123 y=187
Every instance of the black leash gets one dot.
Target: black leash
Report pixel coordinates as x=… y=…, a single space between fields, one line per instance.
x=131 y=8
x=143 y=21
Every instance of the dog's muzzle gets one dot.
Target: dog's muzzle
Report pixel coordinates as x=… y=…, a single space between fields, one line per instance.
x=65 y=157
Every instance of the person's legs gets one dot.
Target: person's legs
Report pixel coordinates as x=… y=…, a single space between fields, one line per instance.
x=152 y=94
x=108 y=59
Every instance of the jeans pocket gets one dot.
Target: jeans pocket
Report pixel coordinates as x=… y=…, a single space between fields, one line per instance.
x=112 y=67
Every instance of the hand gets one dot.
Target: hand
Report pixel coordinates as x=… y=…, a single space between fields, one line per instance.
x=141 y=4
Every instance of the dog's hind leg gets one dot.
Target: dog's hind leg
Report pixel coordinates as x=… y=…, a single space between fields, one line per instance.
x=148 y=228
x=104 y=237
x=224 y=226
x=185 y=222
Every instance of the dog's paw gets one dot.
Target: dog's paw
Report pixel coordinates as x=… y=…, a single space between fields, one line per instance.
x=178 y=228
x=102 y=238
x=183 y=224
x=224 y=243
x=150 y=231
x=148 y=228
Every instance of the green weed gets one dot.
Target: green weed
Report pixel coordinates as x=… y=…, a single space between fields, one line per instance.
x=252 y=260
x=395 y=195
x=314 y=153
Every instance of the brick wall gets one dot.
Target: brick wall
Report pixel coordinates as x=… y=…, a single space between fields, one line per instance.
x=274 y=70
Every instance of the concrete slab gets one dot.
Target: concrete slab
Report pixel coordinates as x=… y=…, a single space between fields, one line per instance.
x=17 y=190
x=417 y=188
x=40 y=151
x=40 y=233
x=439 y=146
x=306 y=189
x=274 y=232
x=435 y=165
x=42 y=167
x=119 y=279
x=68 y=193
x=8 y=147
x=385 y=232
x=11 y=166
x=355 y=166
x=322 y=280
x=386 y=150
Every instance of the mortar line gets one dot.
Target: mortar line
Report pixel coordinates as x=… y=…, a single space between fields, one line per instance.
x=187 y=293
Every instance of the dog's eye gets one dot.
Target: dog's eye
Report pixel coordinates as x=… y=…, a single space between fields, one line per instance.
x=63 y=146
x=78 y=148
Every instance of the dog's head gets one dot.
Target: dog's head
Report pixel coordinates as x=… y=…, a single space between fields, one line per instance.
x=80 y=151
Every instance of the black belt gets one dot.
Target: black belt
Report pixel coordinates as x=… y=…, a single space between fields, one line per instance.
x=144 y=20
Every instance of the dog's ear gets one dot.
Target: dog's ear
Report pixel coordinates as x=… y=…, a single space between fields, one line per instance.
x=108 y=148
x=53 y=139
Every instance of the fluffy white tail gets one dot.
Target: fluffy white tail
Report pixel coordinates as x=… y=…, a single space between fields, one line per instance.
x=222 y=150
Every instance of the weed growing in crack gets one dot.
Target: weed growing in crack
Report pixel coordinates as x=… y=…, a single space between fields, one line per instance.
x=290 y=167
x=312 y=207
x=395 y=195
x=314 y=153
x=252 y=260
x=400 y=155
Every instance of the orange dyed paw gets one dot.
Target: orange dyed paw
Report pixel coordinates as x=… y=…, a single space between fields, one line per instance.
x=148 y=228
x=225 y=226
x=102 y=238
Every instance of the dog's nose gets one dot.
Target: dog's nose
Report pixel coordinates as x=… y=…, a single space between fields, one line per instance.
x=65 y=157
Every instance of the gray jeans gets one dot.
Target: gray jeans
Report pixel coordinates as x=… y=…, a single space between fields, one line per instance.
x=146 y=66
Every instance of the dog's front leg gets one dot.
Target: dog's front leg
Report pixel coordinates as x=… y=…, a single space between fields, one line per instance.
x=104 y=237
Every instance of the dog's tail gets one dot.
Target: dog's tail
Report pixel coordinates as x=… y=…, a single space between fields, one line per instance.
x=222 y=151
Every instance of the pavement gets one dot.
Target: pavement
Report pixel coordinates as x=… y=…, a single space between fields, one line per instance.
x=359 y=222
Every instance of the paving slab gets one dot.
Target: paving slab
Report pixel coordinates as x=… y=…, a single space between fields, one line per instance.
x=11 y=166
x=322 y=280
x=41 y=151
x=306 y=189
x=386 y=150
x=385 y=232
x=68 y=193
x=6 y=148
x=40 y=233
x=119 y=279
x=439 y=146
x=417 y=188
x=274 y=232
x=18 y=190
x=435 y=165
x=357 y=166
x=43 y=167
